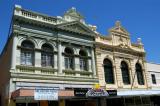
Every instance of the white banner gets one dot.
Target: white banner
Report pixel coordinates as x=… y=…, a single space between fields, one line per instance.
x=45 y=94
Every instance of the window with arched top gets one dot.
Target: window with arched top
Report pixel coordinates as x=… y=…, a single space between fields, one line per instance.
x=125 y=73
x=83 y=60
x=27 y=53
x=139 y=74
x=108 y=71
x=68 y=58
x=47 y=55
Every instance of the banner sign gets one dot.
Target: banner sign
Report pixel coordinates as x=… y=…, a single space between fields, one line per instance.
x=45 y=94
x=112 y=92
x=80 y=92
x=97 y=93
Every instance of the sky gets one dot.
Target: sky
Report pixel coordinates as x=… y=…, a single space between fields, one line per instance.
x=141 y=18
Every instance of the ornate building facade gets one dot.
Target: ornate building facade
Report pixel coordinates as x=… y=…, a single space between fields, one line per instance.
x=121 y=64
x=43 y=52
x=62 y=61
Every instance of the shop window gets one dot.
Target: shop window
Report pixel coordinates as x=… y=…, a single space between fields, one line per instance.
x=146 y=100
x=139 y=74
x=153 y=78
x=125 y=73
x=27 y=53
x=83 y=60
x=68 y=58
x=138 y=100
x=108 y=70
x=52 y=103
x=20 y=104
x=47 y=56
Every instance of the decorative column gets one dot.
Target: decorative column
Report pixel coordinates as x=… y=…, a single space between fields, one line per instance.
x=59 y=59
x=93 y=62
x=14 y=48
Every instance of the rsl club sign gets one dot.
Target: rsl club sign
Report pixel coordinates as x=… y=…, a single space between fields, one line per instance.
x=96 y=91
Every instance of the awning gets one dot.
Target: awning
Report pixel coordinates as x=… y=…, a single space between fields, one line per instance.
x=29 y=93
x=138 y=93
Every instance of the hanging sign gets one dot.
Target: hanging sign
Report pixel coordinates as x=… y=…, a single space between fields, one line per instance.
x=97 y=93
x=80 y=92
x=45 y=94
x=112 y=92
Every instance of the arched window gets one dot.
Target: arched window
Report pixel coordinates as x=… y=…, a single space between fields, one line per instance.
x=27 y=53
x=68 y=52
x=139 y=74
x=125 y=73
x=108 y=71
x=83 y=60
x=47 y=55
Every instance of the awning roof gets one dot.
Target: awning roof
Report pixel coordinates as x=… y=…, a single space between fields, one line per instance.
x=138 y=93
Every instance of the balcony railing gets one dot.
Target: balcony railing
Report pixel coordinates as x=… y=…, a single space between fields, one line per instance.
x=36 y=70
x=36 y=16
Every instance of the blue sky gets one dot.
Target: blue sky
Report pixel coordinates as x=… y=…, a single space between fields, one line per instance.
x=141 y=18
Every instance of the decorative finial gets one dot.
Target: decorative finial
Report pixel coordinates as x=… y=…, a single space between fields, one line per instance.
x=73 y=8
x=118 y=24
x=139 y=41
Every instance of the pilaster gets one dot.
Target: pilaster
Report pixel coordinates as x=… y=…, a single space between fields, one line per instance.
x=14 y=48
x=93 y=62
x=59 y=58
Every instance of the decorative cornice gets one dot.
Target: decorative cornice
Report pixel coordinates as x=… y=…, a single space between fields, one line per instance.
x=118 y=49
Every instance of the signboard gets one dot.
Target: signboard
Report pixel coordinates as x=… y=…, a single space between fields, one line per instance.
x=112 y=92
x=80 y=92
x=97 y=93
x=45 y=94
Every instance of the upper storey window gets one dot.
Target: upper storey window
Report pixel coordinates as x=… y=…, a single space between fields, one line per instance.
x=27 y=53
x=83 y=60
x=139 y=74
x=153 y=78
x=125 y=73
x=68 y=58
x=47 y=56
x=108 y=71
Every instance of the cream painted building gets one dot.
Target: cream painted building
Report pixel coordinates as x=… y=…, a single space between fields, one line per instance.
x=154 y=75
x=121 y=64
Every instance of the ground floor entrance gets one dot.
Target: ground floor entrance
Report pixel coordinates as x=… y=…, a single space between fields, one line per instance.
x=39 y=103
x=129 y=101
x=80 y=102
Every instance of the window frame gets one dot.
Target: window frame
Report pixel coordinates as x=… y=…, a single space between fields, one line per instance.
x=125 y=73
x=68 y=59
x=139 y=71
x=47 y=55
x=83 y=61
x=27 y=48
x=108 y=71
x=153 y=76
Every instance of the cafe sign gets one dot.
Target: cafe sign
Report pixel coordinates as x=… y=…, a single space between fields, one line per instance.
x=97 y=93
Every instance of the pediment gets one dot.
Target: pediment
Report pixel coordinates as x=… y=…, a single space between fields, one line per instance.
x=76 y=27
x=119 y=29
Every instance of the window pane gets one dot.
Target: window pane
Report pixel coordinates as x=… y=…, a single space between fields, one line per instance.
x=125 y=73
x=108 y=70
x=153 y=78
x=26 y=57
x=47 y=59
x=83 y=64
x=139 y=74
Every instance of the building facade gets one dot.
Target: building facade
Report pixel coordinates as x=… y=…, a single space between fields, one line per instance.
x=121 y=65
x=62 y=61
x=154 y=75
x=47 y=53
